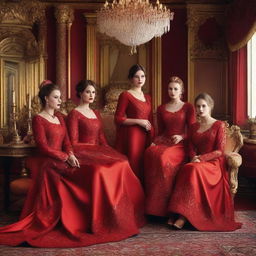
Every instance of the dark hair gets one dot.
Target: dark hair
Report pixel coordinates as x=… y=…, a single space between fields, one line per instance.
x=45 y=90
x=205 y=96
x=176 y=79
x=134 y=69
x=81 y=86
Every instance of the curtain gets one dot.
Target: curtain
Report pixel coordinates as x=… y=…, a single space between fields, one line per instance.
x=241 y=23
x=240 y=27
x=238 y=84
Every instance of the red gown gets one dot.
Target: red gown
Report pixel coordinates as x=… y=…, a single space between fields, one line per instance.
x=201 y=193
x=73 y=207
x=164 y=160
x=132 y=140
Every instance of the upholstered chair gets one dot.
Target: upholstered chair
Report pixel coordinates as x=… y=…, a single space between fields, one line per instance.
x=234 y=159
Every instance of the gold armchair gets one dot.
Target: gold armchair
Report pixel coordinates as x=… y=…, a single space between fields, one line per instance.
x=234 y=159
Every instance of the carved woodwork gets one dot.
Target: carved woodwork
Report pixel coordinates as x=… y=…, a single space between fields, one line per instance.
x=22 y=53
x=207 y=61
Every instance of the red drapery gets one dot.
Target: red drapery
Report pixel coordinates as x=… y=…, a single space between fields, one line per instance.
x=241 y=25
x=238 y=83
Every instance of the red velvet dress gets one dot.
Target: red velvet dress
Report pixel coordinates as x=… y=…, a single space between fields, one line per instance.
x=201 y=192
x=73 y=207
x=132 y=140
x=164 y=160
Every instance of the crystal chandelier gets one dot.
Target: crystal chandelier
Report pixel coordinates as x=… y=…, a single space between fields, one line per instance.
x=134 y=22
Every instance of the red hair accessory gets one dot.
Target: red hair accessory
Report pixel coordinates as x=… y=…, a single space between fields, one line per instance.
x=44 y=83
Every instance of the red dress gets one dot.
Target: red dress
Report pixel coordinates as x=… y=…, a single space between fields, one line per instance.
x=202 y=192
x=73 y=207
x=164 y=160
x=132 y=140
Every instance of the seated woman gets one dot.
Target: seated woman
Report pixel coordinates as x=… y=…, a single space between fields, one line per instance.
x=116 y=198
x=58 y=209
x=201 y=194
x=166 y=155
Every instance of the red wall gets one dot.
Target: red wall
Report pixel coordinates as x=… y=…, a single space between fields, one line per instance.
x=174 y=49
x=78 y=51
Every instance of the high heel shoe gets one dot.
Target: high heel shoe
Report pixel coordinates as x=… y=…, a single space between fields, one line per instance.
x=179 y=223
x=170 y=223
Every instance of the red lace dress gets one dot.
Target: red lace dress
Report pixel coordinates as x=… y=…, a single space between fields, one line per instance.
x=117 y=198
x=201 y=192
x=60 y=210
x=164 y=160
x=132 y=140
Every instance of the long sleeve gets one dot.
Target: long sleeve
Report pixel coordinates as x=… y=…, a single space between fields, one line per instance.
x=67 y=147
x=73 y=129
x=191 y=146
x=151 y=120
x=102 y=138
x=190 y=119
x=220 y=142
x=39 y=132
x=120 y=114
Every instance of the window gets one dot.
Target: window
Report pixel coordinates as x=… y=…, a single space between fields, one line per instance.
x=251 y=76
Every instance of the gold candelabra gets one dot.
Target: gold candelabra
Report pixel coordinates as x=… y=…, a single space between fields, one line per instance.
x=16 y=139
x=29 y=137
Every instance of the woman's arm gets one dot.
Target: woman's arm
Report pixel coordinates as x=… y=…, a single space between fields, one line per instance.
x=220 y=142
x=120 y=114
x=41 y=141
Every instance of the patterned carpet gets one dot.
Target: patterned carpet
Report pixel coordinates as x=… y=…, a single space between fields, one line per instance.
x=157 y=239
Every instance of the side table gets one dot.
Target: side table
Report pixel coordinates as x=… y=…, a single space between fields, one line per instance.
x=7 y=152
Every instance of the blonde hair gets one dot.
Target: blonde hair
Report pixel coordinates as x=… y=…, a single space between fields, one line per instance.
x=176 y=79
x=205 y=96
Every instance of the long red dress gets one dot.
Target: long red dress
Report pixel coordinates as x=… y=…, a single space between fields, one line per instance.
x=201 y=192
x=132 y=140
x=163 y=160
x=73 y=207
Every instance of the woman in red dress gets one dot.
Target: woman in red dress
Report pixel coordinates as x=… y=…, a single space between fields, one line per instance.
x=133 y=118
x=115 y=195
x=60 y=210
x=201 y=194
x=165 y=156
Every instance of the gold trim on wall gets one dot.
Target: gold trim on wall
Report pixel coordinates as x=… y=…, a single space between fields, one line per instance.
x=156 y=73
x=91 y=47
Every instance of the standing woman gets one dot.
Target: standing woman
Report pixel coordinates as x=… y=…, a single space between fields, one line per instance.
x=202 y=192
x=165 y=156
x=115 y=196
x=133 y=118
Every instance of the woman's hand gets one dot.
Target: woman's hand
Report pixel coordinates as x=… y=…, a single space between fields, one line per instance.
x=176 y=139
x=195 y=159
x=152 y=144
x=144 y=123
x=72 y=160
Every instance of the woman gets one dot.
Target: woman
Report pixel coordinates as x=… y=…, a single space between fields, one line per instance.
x=57 y=209
x=166 y=155
x=201 y=195
x=133 y=118
x=115 y=195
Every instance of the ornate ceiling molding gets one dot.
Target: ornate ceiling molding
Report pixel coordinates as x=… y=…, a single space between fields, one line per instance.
x=21 y=13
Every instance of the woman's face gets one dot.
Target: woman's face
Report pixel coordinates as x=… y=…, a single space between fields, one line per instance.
x=53 y=100
x=174 y=90
x=88 y=95
x=139 y=79
x=202 y=108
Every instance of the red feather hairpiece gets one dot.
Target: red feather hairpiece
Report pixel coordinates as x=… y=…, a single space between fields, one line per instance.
x=44 y=83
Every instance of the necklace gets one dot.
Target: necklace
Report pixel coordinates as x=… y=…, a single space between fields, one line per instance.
x=52 y=116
